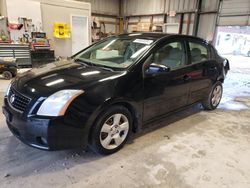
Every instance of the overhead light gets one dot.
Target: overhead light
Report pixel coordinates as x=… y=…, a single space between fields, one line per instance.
x=55 y=82
x=90 y=73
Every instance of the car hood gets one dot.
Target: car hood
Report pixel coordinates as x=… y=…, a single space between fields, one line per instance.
x=44 y=81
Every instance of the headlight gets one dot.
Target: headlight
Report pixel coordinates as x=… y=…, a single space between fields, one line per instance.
x=57 y=103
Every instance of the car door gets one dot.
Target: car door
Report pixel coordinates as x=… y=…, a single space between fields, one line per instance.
x=203 y=69
x=167 y=91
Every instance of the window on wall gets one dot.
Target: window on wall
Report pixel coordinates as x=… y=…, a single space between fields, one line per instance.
x=171 y=55
x=198 y=52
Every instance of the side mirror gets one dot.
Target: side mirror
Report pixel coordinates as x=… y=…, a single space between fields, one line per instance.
x=157 y=69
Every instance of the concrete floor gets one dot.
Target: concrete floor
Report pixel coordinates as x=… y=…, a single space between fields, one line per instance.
x=194 y=148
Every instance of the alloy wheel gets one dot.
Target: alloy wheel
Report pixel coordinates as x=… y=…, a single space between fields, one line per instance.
x=216 y=96
x=114 y=131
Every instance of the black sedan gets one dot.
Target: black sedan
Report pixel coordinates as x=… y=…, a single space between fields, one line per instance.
x=111 y=88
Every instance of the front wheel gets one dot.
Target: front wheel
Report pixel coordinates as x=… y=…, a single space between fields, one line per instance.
x=111 y=130
x=214 y=97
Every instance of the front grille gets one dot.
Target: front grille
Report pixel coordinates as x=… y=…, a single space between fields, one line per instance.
x=17 y=100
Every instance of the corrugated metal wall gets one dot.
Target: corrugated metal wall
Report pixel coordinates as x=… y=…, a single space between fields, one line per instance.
x=180 y=5
x=105 y=7
x=110 y=7
x=137 y=7
x=234 y=12
x=207 y=23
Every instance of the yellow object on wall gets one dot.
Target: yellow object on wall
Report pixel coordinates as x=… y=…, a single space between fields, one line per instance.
x=61 y=30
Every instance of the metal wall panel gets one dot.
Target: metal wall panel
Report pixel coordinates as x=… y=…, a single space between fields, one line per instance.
x=235 y=7
x=234 y=21
x=208 y=5
x=234 y=12
x=180 y=5
x=191 y=5
x=136 y=7
x=207 y=26
x=106 y=7
x=110 y=7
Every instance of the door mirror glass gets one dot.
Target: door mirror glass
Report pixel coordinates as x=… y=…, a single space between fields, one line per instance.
x=157 y=69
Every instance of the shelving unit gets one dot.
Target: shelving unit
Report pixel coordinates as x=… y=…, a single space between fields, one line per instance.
x=18 y=51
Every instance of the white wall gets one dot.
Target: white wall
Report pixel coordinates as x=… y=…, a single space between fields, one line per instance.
x=45 y=13
x=3 y=11
x=26 y=9
x=60 y=11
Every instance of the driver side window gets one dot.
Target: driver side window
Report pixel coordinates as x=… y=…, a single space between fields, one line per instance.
x=171 y=55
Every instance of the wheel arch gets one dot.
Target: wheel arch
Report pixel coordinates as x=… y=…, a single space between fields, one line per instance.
x=220 y=79
x=132 y=108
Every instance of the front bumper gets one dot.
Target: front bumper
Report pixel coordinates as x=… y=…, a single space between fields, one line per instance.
x=43 y=133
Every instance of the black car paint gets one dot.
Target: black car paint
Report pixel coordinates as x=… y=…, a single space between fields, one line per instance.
x=143 y=94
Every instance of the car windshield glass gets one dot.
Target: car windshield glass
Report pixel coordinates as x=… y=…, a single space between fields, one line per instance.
x=115 y=52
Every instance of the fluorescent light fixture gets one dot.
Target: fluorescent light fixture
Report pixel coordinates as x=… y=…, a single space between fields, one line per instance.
x=55 y=82
x=90 y=73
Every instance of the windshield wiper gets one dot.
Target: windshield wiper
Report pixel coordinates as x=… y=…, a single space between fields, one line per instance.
x=88 y=63
x=105 y=68
x=83 y=62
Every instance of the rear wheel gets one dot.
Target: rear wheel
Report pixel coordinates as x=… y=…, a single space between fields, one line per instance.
x=111 y=130
x=7 y=75
x=214 y=97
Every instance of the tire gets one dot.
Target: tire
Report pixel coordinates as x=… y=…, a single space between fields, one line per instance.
x=111 y=130
x=7 y=75
x=214 y=97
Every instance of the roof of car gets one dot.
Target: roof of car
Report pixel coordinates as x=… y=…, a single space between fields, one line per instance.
x=156 y=35
x=145 y=35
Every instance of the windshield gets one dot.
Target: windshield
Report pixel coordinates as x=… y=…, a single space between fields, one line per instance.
x=115 y=52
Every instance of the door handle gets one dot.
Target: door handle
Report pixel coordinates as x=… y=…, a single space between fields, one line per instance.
x=186 y=77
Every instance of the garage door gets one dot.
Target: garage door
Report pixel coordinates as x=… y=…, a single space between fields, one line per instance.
x=234 y=12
